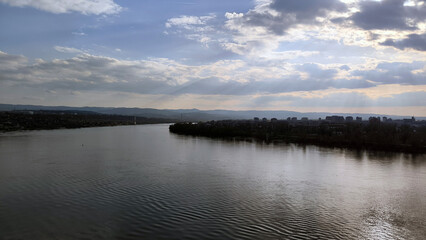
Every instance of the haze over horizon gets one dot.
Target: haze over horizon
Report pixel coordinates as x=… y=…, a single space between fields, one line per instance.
x=347 y=56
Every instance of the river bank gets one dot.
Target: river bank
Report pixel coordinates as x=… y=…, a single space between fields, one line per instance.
x=371 y=136
x=16 y=121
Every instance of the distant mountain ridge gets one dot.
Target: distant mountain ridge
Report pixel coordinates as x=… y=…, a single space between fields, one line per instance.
x=191 y=114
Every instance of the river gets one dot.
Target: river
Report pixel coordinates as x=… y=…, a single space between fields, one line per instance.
x=142 y=182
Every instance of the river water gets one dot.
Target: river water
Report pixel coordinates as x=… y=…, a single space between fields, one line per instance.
x=142 y=182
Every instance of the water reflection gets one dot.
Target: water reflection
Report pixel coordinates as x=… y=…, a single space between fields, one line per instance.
x=140 y=182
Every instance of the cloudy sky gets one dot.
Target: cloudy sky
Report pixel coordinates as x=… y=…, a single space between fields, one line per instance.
x=365 y=56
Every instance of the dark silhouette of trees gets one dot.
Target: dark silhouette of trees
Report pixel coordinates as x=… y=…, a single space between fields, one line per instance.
x=370 y=135
x=13 y=121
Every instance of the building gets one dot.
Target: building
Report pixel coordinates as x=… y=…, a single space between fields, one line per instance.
x=335 y=118
x=409 y=120
x=373 y=120
x=349 y=119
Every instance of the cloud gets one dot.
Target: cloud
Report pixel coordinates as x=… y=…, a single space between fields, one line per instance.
x=353 y=99
x=403 y=99
x=270 y=22
x=315 y=71
x=86 y=7
x=273 y=28
x=193 y=28
x=79 y=33
x=414 y=41
x=396 y=72
x=271 y=86
x=67 y=49
x=345 y=68
x=11 y=62
x=187 y=21
x=163 y=76
x=389 y=14
x=345 y=100
x=280 y=15
x=260 y=85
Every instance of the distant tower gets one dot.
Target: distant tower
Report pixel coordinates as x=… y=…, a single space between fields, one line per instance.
x=134 y=120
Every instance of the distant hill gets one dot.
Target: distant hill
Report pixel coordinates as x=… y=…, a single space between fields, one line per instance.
x=189 y=114
x=285 y=114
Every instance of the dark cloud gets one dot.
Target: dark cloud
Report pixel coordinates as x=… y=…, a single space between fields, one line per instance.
x=338 y=20
x=418 y=13
x=414 y=41
x=388 y=14
x=307 y=9
x=292 y=13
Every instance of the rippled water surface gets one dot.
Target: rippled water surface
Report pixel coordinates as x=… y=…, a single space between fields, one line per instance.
x=142 y=182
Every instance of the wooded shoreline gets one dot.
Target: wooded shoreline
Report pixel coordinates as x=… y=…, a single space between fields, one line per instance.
x=371 y=136
x=16 y=121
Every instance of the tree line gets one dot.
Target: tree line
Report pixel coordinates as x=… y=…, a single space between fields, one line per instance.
x=370 y=135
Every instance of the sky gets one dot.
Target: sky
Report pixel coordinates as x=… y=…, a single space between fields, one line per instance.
x=346 y=56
